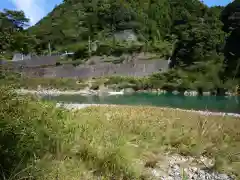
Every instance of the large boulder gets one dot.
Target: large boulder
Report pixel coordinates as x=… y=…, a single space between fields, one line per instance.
x=129 y=91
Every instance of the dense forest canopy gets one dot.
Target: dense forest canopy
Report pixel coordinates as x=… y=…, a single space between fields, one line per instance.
x=231 y=18
x=202 y=41
x=75 y=20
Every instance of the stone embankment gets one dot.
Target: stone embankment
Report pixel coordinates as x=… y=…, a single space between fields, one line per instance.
x=140 y=65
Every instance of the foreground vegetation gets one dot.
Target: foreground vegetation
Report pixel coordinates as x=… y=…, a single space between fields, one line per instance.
x=40 y=141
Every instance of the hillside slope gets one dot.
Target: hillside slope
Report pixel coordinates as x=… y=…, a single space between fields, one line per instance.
x=74 y=20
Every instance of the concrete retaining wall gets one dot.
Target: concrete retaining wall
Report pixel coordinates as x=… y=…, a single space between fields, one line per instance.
x=128 y=68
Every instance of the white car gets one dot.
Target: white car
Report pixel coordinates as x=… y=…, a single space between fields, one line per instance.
x=67 y=54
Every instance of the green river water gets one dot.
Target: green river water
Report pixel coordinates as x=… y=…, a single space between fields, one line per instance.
x=210 y=103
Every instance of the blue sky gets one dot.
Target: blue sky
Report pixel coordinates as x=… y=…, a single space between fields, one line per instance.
x=36 y=9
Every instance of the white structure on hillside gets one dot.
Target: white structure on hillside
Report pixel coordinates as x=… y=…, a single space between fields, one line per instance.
x=126 y=35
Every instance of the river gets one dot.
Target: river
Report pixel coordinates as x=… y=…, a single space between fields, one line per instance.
x=210 y=103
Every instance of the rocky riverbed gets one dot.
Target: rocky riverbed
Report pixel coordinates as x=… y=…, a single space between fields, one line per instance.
x=55 y=92
x=107 y=91
x=177 y=167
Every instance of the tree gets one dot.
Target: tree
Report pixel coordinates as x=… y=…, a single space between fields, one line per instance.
x=12 y=33
x=197 y=38
x=231 y=20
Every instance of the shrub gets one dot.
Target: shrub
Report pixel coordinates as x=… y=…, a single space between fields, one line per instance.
x=81 y=53
x=40 y=141
x=51 y=83
x=95 y=86
x=125 y=85
x=29 y=130
x=114 y=80
x=117 y=48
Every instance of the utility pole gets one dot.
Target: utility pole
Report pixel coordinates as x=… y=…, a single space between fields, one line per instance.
x=89 y=46
x=49 y=48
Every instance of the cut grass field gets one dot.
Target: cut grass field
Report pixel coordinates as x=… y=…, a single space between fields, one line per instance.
x=42 y=142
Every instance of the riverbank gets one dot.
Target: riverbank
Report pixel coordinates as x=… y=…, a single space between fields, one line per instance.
x=55 y=92
x=117 y=83
x=44 y=92
x=105 y=91
x=77 y=106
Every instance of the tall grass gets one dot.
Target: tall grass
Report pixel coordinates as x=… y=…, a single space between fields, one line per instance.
x=52 y=83
x=40 y=141
x=30 y=129
x=147 y=131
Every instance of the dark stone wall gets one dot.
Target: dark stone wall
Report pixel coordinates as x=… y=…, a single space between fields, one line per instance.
x=104 y=69
x=35 y=61
x=137 y=68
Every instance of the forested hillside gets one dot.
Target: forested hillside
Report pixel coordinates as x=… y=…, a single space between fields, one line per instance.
x=201 y=41
x=155 y=22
